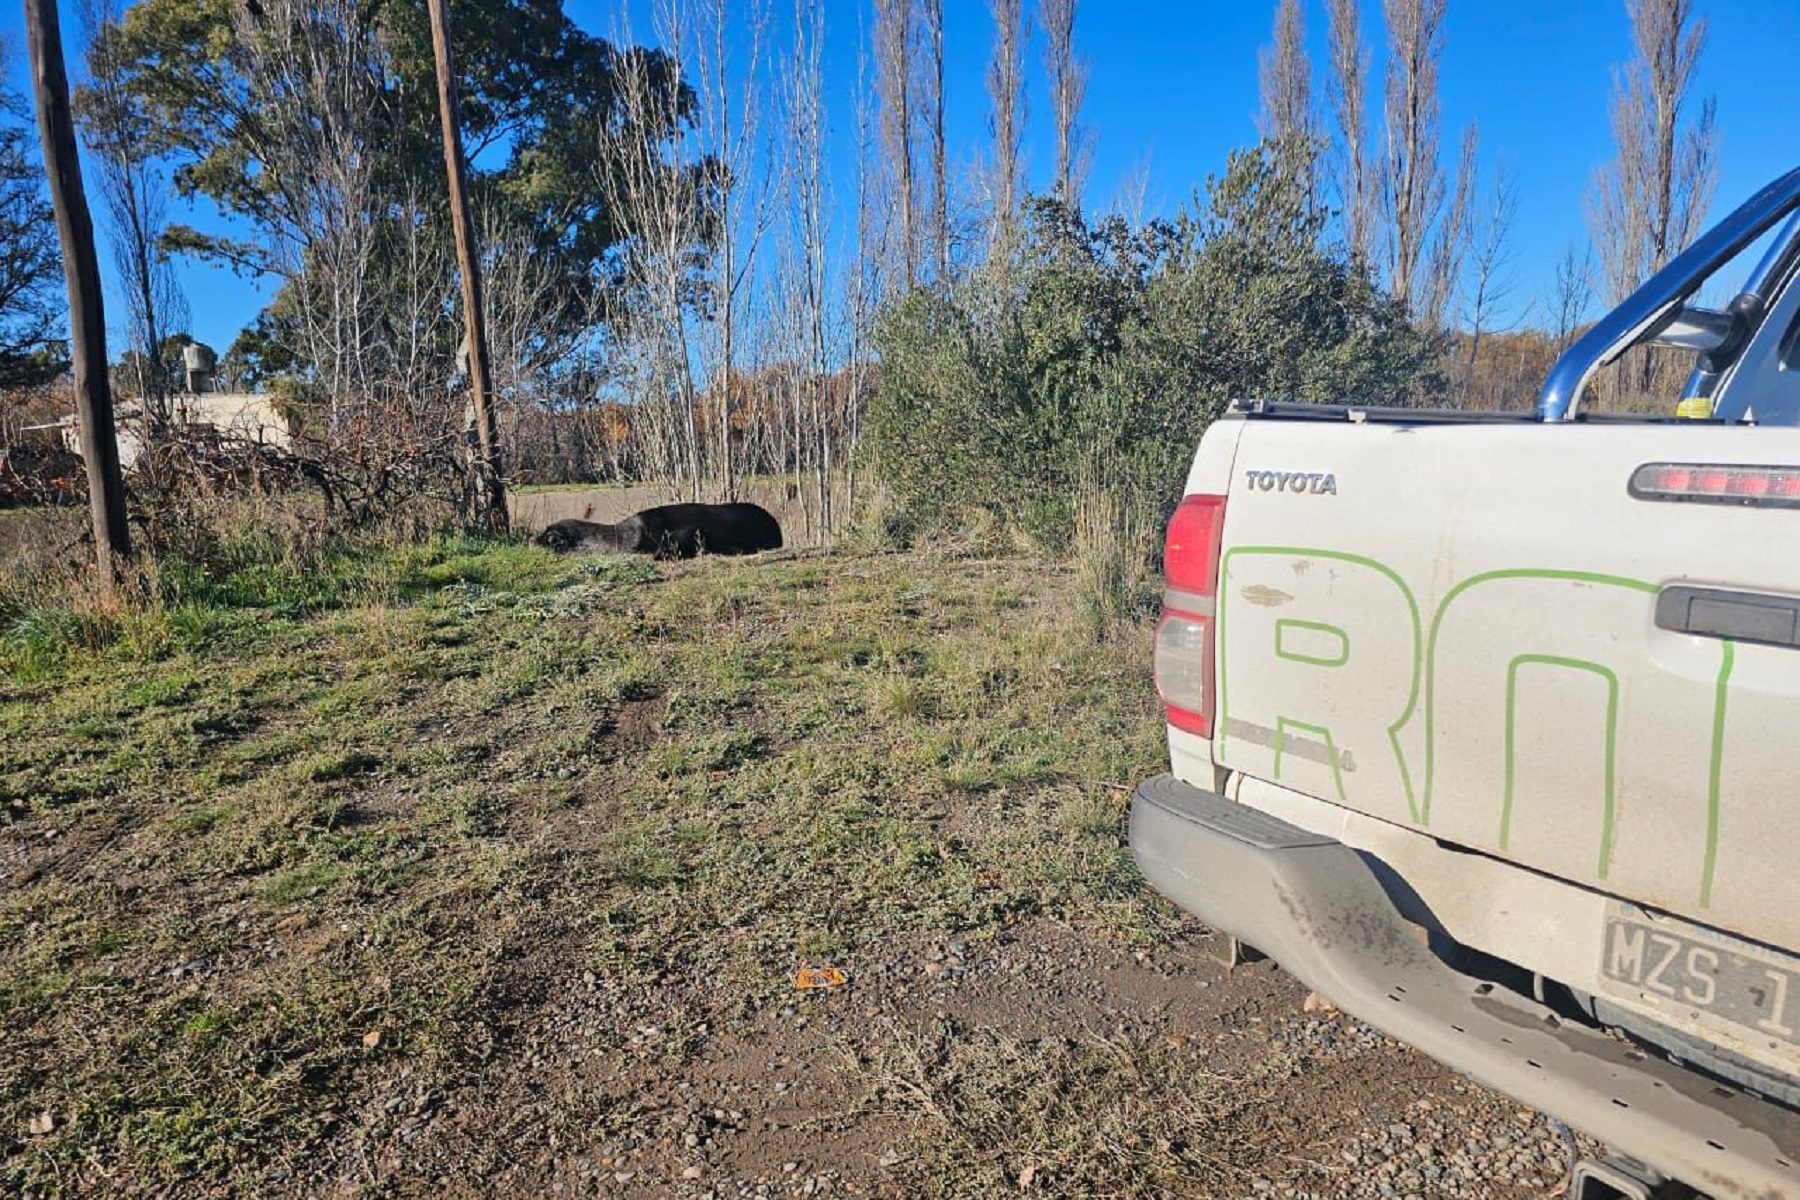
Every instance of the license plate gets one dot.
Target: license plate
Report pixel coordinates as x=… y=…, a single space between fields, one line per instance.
x=1698 y=974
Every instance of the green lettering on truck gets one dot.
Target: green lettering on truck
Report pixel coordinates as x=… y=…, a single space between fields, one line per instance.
x=1308 y=658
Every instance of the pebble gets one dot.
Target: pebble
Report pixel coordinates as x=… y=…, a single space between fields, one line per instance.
x=1481 y=1145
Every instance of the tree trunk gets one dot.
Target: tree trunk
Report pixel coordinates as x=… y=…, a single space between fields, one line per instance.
x=1005 y=83
x=1347 y=80
x=1068 y=84
x=489 y=487
x=894 y=72
x=940 y=167
x=81 y=273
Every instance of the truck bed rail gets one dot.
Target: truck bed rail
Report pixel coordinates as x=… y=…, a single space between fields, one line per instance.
x=1300 y=410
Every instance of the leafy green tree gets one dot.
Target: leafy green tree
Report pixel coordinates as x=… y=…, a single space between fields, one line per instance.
x=535 y=92
x=31 y=302
x=261 y=353
x=310 y=119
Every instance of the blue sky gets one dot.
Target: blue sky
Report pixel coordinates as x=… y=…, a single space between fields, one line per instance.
x=1173 y=88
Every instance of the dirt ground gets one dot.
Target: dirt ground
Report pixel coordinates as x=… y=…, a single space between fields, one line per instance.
x=969 y=1073
x=489 y=874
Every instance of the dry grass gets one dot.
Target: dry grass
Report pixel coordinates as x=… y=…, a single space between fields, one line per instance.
x=306 y=824
x=1073 y=1117
x=1112 y=546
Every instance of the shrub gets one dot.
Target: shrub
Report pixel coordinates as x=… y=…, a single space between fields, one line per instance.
x=1114 y=343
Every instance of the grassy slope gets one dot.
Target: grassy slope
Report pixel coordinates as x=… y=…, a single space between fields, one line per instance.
x=276 y=846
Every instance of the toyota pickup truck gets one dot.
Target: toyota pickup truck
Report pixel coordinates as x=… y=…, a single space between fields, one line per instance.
x=1486 y=726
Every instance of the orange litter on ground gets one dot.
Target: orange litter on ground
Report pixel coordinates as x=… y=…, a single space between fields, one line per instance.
x=820 y=977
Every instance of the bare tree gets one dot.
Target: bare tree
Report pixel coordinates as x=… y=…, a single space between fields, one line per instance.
x=134 y=194
x=1450 y=241
x=418 y=323
x=527 y=339
x=931 y=100
x=1068 y=86
x=1346 y=89
x=1412 y=181
x=307 y=97
x=655 y=188
x=745 y=187
x=1285 y=75
x=894 y=83
x=1571 y=294
x=1650 y=201
x=1490 y=285
x=314 y=78
x=864 y=282
x=1131 y=197
x=1006 y=88
x=809 y=448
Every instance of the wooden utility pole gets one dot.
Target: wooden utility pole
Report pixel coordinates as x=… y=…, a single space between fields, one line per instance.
x=490 y=488
x=81 y=272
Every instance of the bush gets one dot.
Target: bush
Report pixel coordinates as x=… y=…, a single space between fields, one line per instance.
x=1118 y=344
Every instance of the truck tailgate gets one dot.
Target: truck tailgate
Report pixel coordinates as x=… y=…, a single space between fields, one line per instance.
x=1456 y=627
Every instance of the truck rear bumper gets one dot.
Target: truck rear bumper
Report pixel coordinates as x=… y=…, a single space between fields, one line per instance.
x=1318 y=908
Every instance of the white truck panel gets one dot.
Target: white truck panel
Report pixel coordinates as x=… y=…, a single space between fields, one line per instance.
x=1451 y=628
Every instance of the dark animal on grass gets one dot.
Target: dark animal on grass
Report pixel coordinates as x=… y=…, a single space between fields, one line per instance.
x=672 y=531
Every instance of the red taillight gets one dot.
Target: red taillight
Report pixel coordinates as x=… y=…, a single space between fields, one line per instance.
x=1184 y=636
x=1191 y=554
x=1717 y=483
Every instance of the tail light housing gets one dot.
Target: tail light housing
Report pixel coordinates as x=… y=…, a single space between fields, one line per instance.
x=1717 y=483
x=1184 y=635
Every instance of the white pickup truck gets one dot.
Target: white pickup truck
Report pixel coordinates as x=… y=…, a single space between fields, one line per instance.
x=1487 y=727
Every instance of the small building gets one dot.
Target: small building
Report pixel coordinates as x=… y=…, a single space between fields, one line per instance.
x=251 y=417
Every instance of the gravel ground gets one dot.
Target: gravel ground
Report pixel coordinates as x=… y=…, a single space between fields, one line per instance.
x=800 y=1100
x=1466 y=1141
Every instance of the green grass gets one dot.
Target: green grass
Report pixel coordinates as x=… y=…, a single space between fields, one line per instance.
x=402 y=789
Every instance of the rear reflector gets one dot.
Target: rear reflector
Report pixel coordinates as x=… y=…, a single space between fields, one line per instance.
x=1184 y=671
x=1184 y=638
x=1718 y=483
